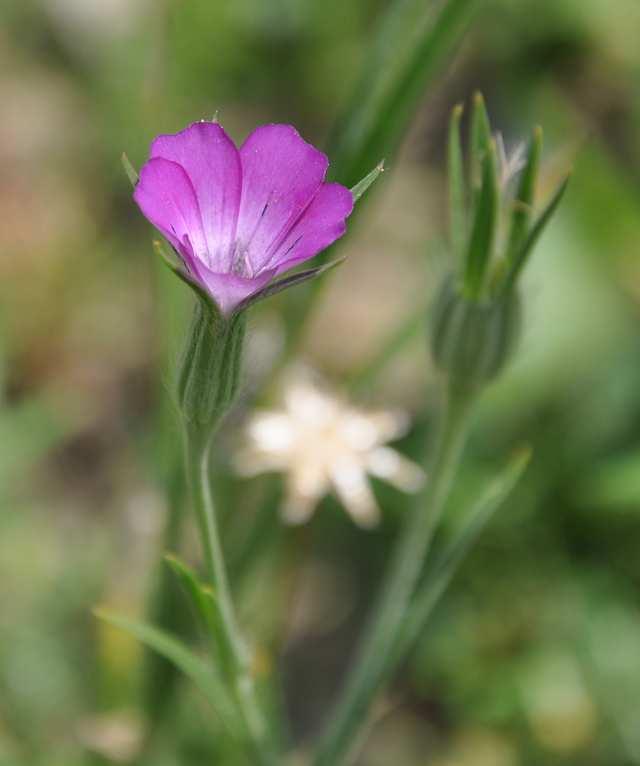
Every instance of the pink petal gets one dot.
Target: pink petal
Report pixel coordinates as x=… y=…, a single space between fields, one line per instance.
x=212 y=163
x=320 y=225
x=228 y=290
x=281 y=173
x=167 y=199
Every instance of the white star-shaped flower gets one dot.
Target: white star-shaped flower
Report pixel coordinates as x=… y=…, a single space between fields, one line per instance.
x=322 y=443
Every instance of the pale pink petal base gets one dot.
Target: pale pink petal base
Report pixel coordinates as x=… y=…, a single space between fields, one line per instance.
x=229 y=290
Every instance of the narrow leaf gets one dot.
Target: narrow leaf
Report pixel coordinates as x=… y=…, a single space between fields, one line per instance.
x=190 y=583
x=204 y=602
x=480 y=139
x=445 y=566
x=283 y=284
x=132 y=173
x=203 y=676
x=361 y=187
x=409 y=327
x=536 y=230
x=523 y=203
x=457 y=211
x=483 y=231
x=413 y=41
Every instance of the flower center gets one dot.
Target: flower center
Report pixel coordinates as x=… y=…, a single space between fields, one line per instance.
x=239 y=262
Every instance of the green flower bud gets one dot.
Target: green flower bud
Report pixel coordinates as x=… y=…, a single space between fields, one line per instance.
x=210 y=369
x=477 y=315
x=472 y=340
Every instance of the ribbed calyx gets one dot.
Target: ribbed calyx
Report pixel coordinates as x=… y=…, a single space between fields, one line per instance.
x=209 y=373
x=472 y=341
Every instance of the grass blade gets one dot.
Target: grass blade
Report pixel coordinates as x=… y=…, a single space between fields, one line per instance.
x=411 y=44
x=196 y=669
x=203 y=600
x=445 y=566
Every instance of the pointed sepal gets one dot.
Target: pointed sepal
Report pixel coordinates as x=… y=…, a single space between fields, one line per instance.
x=485 y=220
x=283 y=284
x=525 y=197
x=132 y=173
x=361 y=187
x=457 y=192
x=521 y=256
x=480 y=140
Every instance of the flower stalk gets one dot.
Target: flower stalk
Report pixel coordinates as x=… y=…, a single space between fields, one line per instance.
x=377 y=657
x=207 y=385
x=233 y=653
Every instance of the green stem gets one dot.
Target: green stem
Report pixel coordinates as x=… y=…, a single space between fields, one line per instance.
x=377 y=657
x=233 y=650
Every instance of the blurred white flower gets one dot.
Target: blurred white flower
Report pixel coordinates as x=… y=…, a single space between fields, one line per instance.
x=117 y=736
x=322 y=443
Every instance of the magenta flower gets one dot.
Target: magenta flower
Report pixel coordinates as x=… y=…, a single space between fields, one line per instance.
x=240 y=217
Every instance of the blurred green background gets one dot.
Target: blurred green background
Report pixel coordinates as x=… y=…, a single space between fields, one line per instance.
x=534 y=655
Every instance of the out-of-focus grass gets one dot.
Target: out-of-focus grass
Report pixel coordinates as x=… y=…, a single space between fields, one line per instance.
x=532 y=659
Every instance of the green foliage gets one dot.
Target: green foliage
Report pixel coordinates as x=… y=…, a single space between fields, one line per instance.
x=412 y=42
x=196 y=669
x=444 y=567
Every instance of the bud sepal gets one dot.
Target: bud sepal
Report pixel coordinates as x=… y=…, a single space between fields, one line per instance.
x=473 y=340
x=209 y=374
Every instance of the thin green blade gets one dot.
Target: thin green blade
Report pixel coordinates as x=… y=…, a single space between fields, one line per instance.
x=483 y=232
x=445 y=566
x=536 y=231
x=480 y=140
x=283 y=284
x=204 y=602
x=455 y=166
x=523 y=203
x=412 y=42
x=196 y=669
x=132 y=173
x=361 y=187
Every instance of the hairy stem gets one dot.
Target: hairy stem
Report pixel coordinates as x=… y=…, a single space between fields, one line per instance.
x=233 y=652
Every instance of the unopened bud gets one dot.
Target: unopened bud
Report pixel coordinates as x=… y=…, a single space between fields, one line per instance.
x=472 y=340
x=209 y=372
